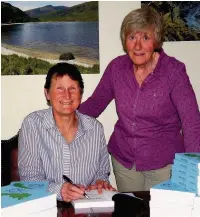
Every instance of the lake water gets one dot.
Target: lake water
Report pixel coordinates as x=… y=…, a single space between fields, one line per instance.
x=79 y=37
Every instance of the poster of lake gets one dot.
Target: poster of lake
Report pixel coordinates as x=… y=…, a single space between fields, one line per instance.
x=182 y=19
x=37 y=34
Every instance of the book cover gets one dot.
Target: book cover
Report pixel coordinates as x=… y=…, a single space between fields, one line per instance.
x=169 y=186
x=192 y=159
x=178 y=164
x=184 y=176
x=193 y=177
x=184 y=172
x=23 y=201
x=179 y=179
x=188 y=176
x=193 y=182
x=32 y=185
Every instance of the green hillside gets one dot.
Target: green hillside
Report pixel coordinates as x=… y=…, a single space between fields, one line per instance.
x=83 y=12
x=43 y=11
x=10 y=14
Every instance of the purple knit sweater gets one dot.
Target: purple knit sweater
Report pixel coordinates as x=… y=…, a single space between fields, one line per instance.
x=150 y=117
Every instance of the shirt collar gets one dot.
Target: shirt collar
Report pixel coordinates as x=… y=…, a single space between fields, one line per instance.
x=84 y=122
x=49 y=121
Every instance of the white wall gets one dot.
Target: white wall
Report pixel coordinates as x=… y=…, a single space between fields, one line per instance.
x=24 y=94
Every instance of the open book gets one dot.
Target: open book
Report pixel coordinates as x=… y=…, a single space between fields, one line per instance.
x=97 y=201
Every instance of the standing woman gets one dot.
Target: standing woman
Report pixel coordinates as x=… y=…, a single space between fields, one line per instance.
x=157 y=110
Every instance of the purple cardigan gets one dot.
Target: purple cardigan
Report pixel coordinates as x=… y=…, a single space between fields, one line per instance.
x=150 y=117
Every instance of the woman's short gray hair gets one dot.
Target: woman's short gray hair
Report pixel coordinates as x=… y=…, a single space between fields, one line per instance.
x=141 y=19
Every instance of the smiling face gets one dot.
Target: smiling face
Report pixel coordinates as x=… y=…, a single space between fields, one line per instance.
x=64 y=95
x=140 y=46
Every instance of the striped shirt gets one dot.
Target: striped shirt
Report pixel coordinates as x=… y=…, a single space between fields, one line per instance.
x=44 y=153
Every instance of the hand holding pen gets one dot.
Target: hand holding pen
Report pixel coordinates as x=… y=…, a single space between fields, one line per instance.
x=72 y=191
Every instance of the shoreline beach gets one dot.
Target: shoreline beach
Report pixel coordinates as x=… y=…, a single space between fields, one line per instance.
x=50 y=57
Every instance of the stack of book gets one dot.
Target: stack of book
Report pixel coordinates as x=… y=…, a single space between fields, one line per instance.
x=168 y=199
x=178 y=196
x=186 y=171
x=28 y=199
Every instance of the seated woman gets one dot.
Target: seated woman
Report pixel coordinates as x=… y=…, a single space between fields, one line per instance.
x=61 y=141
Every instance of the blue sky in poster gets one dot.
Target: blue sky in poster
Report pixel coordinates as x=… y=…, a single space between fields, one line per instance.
x=26 y=5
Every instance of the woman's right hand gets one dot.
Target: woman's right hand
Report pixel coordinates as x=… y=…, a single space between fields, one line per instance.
x=71 y=192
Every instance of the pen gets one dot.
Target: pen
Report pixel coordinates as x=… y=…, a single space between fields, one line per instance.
x=70 y=181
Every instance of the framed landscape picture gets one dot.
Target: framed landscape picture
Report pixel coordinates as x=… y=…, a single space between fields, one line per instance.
x=182 y=19
x=35 y=35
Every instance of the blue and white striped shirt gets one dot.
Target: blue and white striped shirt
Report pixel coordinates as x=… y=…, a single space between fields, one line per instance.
x=44 y=153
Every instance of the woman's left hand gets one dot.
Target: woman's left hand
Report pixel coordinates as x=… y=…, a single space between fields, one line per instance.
x=99 y=185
